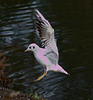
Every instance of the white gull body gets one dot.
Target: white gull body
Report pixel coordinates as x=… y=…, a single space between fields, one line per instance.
x=47 y=56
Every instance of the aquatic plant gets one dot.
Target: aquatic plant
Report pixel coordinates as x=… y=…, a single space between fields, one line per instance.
x=35 y=96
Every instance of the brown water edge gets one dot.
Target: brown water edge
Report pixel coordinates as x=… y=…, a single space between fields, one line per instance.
x=5 y=82
x=8 y=94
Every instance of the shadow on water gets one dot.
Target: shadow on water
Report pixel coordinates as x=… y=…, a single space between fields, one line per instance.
x=72 y=22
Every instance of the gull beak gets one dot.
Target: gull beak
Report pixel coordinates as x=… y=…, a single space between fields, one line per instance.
x=26 y=50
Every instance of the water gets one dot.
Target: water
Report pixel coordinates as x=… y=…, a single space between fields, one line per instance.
x=72 y=21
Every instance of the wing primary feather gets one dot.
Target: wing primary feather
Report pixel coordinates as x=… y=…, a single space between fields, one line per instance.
x=46 y=34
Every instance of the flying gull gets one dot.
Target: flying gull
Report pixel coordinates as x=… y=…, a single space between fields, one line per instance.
x=48 y=56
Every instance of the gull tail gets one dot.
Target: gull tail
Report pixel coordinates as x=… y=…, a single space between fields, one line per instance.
x=60 y=69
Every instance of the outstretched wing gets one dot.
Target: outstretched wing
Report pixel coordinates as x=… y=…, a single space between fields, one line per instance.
x=46 y=34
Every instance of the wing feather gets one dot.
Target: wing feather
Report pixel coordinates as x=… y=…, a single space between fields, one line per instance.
x=46 y=34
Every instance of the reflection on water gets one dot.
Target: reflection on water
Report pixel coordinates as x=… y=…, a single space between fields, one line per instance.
x=73 y=26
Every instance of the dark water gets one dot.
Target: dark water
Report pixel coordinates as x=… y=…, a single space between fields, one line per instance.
x=73 y=24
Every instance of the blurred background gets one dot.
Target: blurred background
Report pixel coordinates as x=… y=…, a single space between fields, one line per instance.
x=73 y=24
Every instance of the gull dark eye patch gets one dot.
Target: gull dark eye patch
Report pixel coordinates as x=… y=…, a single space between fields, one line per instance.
x=33 y=47
x=29 y=47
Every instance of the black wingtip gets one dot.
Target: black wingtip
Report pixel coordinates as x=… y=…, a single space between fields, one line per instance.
x=35 y=11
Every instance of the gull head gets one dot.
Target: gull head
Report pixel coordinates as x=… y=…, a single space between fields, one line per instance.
x=32 y=47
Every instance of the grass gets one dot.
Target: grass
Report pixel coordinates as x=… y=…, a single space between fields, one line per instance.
x=36 y=97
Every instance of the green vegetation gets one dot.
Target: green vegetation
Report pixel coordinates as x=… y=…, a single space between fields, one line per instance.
x=36 y=97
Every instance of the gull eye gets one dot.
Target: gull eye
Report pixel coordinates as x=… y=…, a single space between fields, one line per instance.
x=29 y=47
x=33 y=47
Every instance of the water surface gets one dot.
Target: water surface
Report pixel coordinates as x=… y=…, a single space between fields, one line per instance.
x=72 y=21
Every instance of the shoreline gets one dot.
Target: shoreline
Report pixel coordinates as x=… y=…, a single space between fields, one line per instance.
x=9 y=94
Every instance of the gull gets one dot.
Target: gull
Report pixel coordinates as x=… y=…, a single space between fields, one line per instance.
x=47 y=56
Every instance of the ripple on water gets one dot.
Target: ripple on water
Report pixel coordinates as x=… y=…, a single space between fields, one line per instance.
x=73 y=24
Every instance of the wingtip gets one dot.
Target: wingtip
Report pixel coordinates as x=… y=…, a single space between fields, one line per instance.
x=35 y=10
x=38 y=14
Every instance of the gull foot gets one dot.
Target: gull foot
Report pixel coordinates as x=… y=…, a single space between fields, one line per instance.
x=37 y=79
x=41 y=77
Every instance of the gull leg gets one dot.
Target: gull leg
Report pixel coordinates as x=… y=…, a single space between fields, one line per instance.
x=41 y=77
